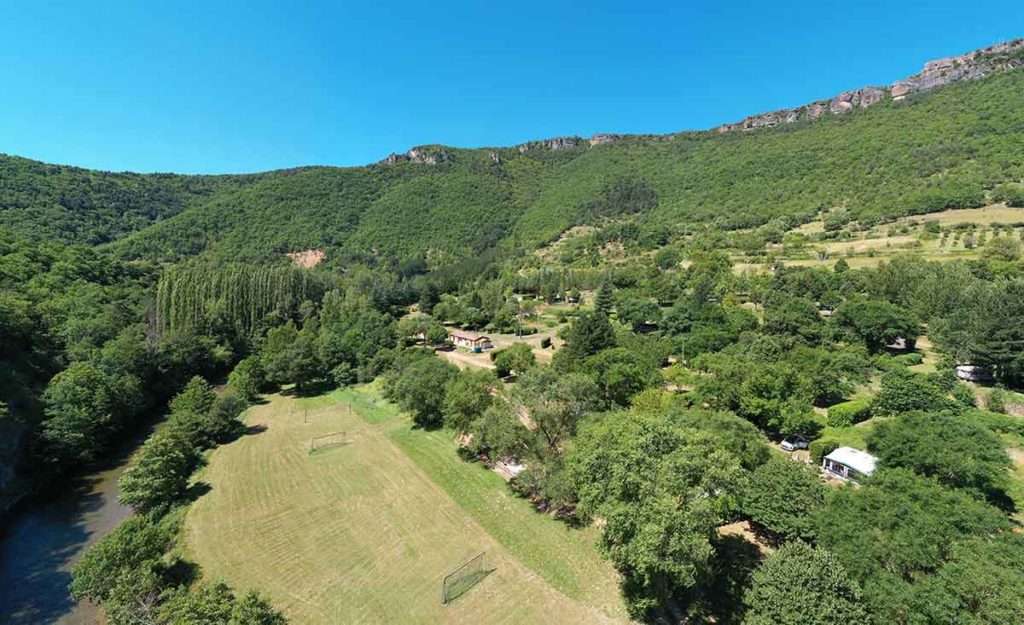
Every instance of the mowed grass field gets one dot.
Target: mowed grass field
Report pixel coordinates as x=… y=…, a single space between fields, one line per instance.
x=364 y=532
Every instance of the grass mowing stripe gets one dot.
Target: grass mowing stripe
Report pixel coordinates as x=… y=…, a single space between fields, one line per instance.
x=358 y=535
x=564 y=557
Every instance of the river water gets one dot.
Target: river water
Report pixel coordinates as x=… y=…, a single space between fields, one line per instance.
x=39 y=545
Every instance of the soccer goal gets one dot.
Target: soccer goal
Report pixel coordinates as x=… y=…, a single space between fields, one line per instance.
x=334 y=439
x=463 y=578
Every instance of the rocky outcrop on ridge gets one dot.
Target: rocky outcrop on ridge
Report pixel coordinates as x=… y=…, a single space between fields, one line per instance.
x=427 y=154
x=937 y=73
x=555 y=143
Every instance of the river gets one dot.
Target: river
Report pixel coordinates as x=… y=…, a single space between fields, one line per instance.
x=40 y=544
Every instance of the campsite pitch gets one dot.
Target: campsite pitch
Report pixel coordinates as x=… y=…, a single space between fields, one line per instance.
x=364 y=532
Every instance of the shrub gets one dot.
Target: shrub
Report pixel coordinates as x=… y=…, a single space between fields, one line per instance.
x=344 y=375
x=822 y=447
x=909 y=360
x=1012 y=194
x=995 y=401
x=904 y=391
x=849 y=412
x=963 y=393
x=1001 y=423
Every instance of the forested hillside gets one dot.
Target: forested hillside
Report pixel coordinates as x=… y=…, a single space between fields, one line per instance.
x=950 y=148
x=75 y=205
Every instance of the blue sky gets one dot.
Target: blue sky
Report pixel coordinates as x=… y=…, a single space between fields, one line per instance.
x=245 y=86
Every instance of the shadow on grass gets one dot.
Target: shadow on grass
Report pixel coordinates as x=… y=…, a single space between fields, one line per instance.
x=250 y=430
x=311 y=389
x=197 y=490
x=323 y=449
x=182 y=572
x=241 y=430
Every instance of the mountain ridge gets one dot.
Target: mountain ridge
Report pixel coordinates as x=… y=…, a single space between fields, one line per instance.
x=948 y=147
x=935 y=73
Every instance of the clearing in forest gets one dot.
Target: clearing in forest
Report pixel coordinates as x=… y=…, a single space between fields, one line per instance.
x=364 y=532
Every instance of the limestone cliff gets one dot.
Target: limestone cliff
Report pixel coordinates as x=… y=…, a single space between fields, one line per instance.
x=938 y=73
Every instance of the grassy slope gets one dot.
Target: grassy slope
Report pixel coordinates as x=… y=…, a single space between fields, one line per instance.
x=364 y=532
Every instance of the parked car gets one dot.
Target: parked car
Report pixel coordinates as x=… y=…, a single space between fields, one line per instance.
x=794 y=442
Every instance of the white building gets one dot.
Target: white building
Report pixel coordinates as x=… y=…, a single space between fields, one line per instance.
x=849 y=463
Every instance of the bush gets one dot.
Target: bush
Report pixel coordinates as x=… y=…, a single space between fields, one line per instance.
x=1012 y=194
x=849 y=412
x=822 y=447
x=995 y=401
x=905 y=391
x=343 y=375
x=909 y=360
x=964 y=394
x=1001 y=423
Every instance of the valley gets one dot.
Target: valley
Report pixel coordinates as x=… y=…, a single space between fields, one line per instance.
x=767 y=373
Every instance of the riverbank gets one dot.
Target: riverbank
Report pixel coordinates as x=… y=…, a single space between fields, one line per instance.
x=46 y=534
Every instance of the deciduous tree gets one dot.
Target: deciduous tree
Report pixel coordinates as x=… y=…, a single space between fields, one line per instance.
x=801 y=585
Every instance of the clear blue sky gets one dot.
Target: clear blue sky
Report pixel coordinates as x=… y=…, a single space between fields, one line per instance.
x=245 y=86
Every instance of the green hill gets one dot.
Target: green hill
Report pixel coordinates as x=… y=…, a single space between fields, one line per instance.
x=948 y=148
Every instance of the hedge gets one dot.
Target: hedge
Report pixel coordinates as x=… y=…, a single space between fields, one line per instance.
x=822 y=447
x=849 y=412
x=909 y=360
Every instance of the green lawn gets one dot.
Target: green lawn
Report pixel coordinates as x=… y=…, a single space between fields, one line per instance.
x=852 y=435
x=366 y=402
x=564 y=557
x=363 y=533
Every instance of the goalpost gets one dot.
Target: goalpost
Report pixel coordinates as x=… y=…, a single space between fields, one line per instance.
x=463 y=578
x=334 y=439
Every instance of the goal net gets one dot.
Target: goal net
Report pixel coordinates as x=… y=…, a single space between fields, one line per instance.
x=463 y=578
x=334 y=439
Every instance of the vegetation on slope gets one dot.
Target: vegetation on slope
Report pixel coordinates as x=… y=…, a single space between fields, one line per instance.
x=956 y=147
x=75 y=205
